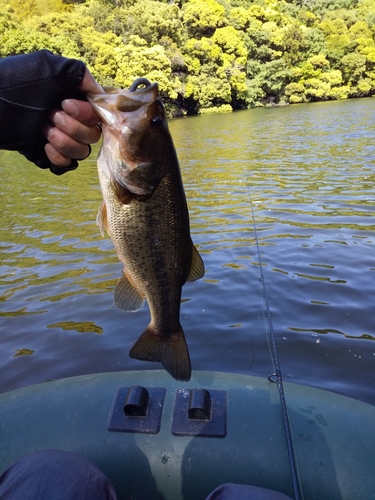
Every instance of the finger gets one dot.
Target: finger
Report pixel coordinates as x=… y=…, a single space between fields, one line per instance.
x=81 y=111
x=64 y=144
x=55 y=157
x=74 y=128
x=89 y=84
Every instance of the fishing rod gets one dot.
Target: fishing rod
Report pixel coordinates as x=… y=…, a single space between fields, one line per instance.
x=276 y=377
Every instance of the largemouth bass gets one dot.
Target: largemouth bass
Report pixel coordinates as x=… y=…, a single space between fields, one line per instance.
x=144 y=212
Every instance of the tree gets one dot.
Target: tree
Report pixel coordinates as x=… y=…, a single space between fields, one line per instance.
x=240 y=18
x=215 y=63
x=293 y=42
x=354 y=73
x=61 y=24
x=24 y=10
x=205 y=91
x=268 y=82
x=202 y=17
x=152 y=21
x=337 y=47
x=231 y=43
x=24 y=40
x=100 y=49
x=296 y=93
x=314 y=42
x=262 y=41
x=136 y=60
x=7 y=22
x=208 y=54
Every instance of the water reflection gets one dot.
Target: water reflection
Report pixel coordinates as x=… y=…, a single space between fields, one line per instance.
x=23 y=352
x=80 y=327
x=309 y=179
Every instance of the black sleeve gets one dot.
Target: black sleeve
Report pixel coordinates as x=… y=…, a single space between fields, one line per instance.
x=30 y=85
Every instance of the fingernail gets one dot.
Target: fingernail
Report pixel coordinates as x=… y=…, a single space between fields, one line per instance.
x=70 y=107
x=96 y=88
x=59 y=118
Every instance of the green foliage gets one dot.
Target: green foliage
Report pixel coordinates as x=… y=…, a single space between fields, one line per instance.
x=23 y=40
x=208 y=55
x=7 y=22
x=224 y=108
x=314 y=43
x=201 y=18
x=136 y=60
x=151 y=20
x=293 y=43
x=23 y=10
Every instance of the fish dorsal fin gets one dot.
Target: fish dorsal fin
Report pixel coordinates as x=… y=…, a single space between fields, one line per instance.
x=196 y=270
x=127 y=296
x=101 y=218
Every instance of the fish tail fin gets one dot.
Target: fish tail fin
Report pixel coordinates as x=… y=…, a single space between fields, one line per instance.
x=171 y=352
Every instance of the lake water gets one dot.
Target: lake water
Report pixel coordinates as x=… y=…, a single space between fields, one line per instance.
x=308 y=172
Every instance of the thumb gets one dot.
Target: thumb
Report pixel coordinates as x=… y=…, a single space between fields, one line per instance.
x=89 y=84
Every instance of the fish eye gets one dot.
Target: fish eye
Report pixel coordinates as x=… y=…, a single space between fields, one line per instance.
x=157 y=122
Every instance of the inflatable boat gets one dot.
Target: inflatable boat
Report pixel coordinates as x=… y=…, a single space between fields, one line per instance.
x=156 y=438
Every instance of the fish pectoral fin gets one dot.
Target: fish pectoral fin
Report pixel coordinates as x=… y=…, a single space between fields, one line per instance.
x=101 y=218
x=196 y=270
x=127 y=296
x=172 y=352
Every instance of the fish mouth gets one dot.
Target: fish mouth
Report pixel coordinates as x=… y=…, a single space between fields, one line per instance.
x=141 y=92
x=133 y=125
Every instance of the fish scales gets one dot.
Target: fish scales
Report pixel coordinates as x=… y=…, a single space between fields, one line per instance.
x=139 y=230
x=145 y=213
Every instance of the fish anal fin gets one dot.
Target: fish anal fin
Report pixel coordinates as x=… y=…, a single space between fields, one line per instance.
x=127 y=296
x=172 y=352
x=101 y=218
x=196 y=270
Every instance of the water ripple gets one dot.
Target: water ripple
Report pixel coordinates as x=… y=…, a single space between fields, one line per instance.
x=306 y=173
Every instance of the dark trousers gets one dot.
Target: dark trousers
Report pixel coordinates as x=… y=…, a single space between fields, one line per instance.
x=60 y=475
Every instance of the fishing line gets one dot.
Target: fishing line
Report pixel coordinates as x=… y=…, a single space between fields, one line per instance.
x=276 y=377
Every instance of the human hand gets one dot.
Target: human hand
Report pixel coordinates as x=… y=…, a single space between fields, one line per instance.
x=31 y=87
x=73 y=128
